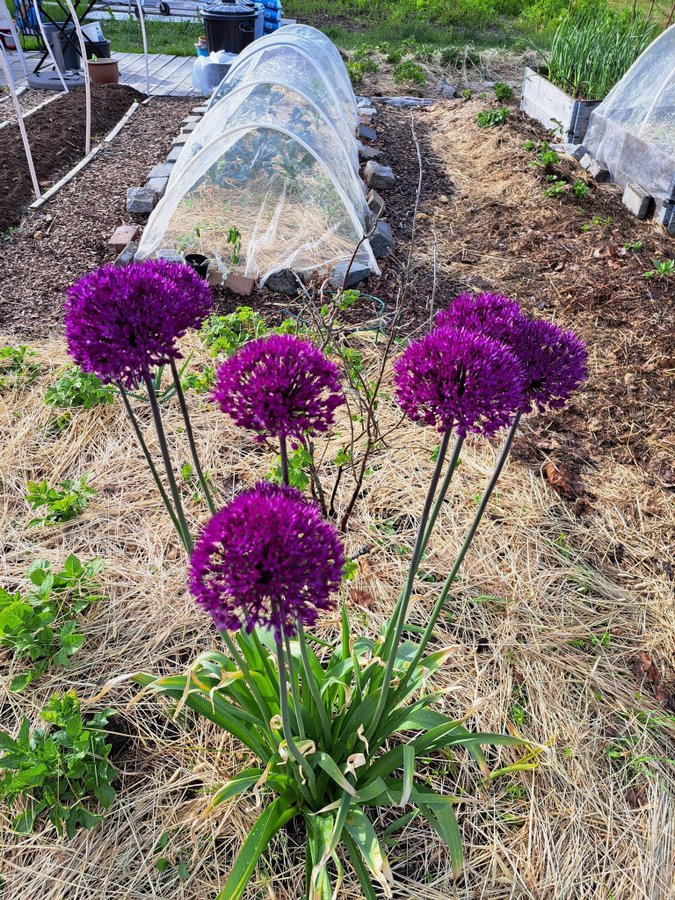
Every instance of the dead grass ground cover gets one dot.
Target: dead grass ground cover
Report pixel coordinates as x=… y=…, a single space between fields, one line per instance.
x=547 y=624
x=563 y=622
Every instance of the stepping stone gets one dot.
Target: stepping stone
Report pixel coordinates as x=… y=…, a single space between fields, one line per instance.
x=357 y=274
x=163 y=170
x=158 y=185
x=123 y=235
x=367 y=134
x=367 y=153
x=637 y=201
x=141 y=200
x=379 y=177
x=127 y=255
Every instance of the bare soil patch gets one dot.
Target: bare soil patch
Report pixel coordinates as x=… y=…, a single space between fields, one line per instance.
x=68 y=236
x=56 y=135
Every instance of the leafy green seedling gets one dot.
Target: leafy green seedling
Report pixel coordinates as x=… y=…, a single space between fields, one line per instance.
x=503 y=92
x=409 y=71
x=224 y=335
x=64 y=502
x=76 y=388
x=491 y=118
x=633 y=246
x=580 y=189
x=662 y=268
x=38 y=626
x=61 y=771
x=298 y=462
x=17 y=366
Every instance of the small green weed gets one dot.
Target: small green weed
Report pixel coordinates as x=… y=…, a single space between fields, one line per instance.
x=633 y=246
x=76 y=388
x=503 y=92
x=580 y=189
x=557 y=187
x=61 y=770
x=529 y=146
x=409 y=71
x=201 y=381
x=491 y=118
x=63 y=502
x=224 y=335
x=597 y=222
x=38 y=625
x=467 y=94
x=17 y=366
x=298 y=463
x=662 y=268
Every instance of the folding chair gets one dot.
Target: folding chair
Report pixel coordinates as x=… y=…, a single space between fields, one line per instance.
x=27 y=24
x=8 y=27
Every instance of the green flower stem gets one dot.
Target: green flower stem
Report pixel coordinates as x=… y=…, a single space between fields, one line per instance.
x=286 y=722
x=312 y=685
x=400 y=612
x=294 y=689
x=190 y=436
x=146 y=453
x=283 y=455
x=452 y=466
x=440 y=603
x=166 y=459
x=397 y=620
x=246 y=672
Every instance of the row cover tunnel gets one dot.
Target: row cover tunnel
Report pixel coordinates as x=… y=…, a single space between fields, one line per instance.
x=275 y=156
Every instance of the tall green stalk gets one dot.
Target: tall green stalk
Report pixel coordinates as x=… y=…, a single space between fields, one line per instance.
x=166 y=459
x=440 y=603
x=148 y=458
x=190 y=436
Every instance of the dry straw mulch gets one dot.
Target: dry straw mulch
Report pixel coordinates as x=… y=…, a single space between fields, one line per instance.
x=547 y=622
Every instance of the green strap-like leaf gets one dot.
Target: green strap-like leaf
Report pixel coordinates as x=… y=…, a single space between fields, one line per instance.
x=331 y=769
x=319 y=831
x=268 y=823
x=358 y=866
x=361 y=831
x=235 y=786
x=443 y=820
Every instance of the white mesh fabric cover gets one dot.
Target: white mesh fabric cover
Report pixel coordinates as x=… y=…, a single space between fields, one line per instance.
x=318 y=49
x=633 y=130
x=278 y=105
x=284 y=65
x=291 y=210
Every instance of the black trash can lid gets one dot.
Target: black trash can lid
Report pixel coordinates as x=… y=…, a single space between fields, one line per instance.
x=228 y=9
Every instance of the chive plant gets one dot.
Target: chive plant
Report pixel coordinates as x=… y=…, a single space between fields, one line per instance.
x=594 y=47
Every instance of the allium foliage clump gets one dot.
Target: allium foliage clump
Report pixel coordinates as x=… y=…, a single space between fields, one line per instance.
x=267 y=559
x=280 y=386
x=455 y=379
x=122 y=322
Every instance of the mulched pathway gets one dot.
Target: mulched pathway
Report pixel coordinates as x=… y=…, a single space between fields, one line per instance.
x=68 y=236
x=56 y=134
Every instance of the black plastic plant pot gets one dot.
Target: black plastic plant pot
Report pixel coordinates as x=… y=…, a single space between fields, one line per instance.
x=199 y=263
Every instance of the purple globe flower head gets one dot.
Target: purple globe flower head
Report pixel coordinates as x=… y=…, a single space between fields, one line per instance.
x=555 y=363
x=123 y=321
x=267 y=559
x=280 y=386
x=461 y=380
x=493 y=315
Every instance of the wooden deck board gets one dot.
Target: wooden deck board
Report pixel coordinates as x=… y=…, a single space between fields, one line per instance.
x=169 y=75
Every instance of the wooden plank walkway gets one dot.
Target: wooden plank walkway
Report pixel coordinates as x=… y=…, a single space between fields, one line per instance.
x=170 y=76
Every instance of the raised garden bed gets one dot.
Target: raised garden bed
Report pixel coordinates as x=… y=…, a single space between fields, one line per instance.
x=56 y=134
x=556 y=110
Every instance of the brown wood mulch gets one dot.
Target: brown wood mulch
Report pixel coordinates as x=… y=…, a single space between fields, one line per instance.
x=68 y=236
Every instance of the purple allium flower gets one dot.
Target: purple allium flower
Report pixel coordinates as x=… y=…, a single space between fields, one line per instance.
x=458 y=379
x=123 y=321
x=555 y=363
x=268 y=559
x=280 y=386
x=493 y=315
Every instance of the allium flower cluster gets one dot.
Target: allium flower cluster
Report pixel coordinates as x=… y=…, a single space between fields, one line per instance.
x=279 y=386
x=458 y=379
x=124 y=321
x=267 y=559
x=554 y=361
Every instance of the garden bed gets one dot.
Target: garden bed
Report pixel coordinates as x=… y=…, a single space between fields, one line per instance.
x=563 y=624
x=57 y=137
